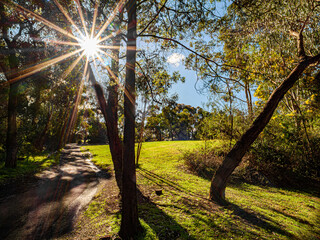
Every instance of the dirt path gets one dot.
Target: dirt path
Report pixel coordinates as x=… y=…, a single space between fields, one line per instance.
x=48 y=208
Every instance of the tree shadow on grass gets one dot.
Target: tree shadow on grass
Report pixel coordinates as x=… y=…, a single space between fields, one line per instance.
x=191 y=207
x=297 y=219
x=259 y=221
x=162 y=225
x=166 y=182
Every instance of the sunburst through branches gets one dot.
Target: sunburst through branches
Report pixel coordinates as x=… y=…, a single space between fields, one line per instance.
x=86 y=44
x=90 y=46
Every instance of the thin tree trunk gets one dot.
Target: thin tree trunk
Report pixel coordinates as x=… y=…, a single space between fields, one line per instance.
x=233 y=158
x=62 y=135
x=248 y=100
x=130 y=224
x=141 y=131
x=74 y=114
x=11 y=141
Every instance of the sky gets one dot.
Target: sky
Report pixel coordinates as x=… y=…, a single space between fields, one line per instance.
x=186 y=91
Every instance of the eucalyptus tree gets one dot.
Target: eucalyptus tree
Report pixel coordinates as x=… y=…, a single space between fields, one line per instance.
x=18 y=34
x=282 y=40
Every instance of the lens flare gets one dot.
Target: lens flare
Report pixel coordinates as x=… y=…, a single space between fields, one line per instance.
x=90 y=46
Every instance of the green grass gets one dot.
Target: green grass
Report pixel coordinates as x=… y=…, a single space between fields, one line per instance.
x=183 y=211
x=27 y=166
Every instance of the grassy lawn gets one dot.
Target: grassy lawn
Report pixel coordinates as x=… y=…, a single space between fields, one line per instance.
x=27 y=166
x=183 y=211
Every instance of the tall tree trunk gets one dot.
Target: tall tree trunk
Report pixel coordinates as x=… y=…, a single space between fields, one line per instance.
x=233 y=158
x=130 y=224
x=115 y=143
x=62 y=136
x=11 y=142
x=73 y=116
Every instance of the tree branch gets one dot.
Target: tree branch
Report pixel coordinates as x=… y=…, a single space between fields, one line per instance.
x=300 y=44
x=147 y=80
x=146 y=27
x=182 y=45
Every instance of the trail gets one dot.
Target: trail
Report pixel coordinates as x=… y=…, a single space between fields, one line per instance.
x=49 y=206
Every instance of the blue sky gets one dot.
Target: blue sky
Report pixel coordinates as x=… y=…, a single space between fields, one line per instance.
x=186 y=91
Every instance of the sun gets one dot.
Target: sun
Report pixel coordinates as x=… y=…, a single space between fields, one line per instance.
x=90 y=46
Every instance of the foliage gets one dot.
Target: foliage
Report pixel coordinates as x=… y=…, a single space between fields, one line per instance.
x=175 y=121
x=218 y=124
x=286 y=155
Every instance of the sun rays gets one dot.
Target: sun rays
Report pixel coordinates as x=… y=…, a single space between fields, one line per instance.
x=85 y=43
x=90 y=46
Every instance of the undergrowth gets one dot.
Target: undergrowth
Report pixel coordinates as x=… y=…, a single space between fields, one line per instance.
x=27 y=166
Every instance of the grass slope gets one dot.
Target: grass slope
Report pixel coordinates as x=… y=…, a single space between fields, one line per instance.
x=183 y=211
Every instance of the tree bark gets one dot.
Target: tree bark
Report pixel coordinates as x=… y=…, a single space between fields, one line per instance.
x=130 y=224
x=115 y=143
x=233 y=158
x=11 y=142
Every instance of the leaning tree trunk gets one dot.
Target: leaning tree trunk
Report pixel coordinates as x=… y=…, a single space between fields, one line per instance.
x=130 y=224
x=233 y=158
x=109 y=109
x=115 y=144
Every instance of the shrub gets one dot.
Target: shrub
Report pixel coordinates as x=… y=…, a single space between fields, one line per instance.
x=288 y=164
x=202 y=161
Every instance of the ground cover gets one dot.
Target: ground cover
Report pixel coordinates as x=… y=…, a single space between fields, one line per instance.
x=27 y=166
x=173 y=203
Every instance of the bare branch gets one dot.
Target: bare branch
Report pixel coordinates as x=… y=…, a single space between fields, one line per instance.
x=149 y=85
x=182 y=45
x=300 y=45
x=197 y=54
x=146 y=27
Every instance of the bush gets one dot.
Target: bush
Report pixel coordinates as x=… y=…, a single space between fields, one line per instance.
x=291 y=164
x=205 y=161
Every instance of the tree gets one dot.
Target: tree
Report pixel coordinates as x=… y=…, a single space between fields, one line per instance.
x=10 y=23
x=130 y=224
x=263 y=20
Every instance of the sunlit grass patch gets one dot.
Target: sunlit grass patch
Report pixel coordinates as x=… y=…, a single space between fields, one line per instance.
x=183 y=211
x=28 y=166
x=101 y=155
